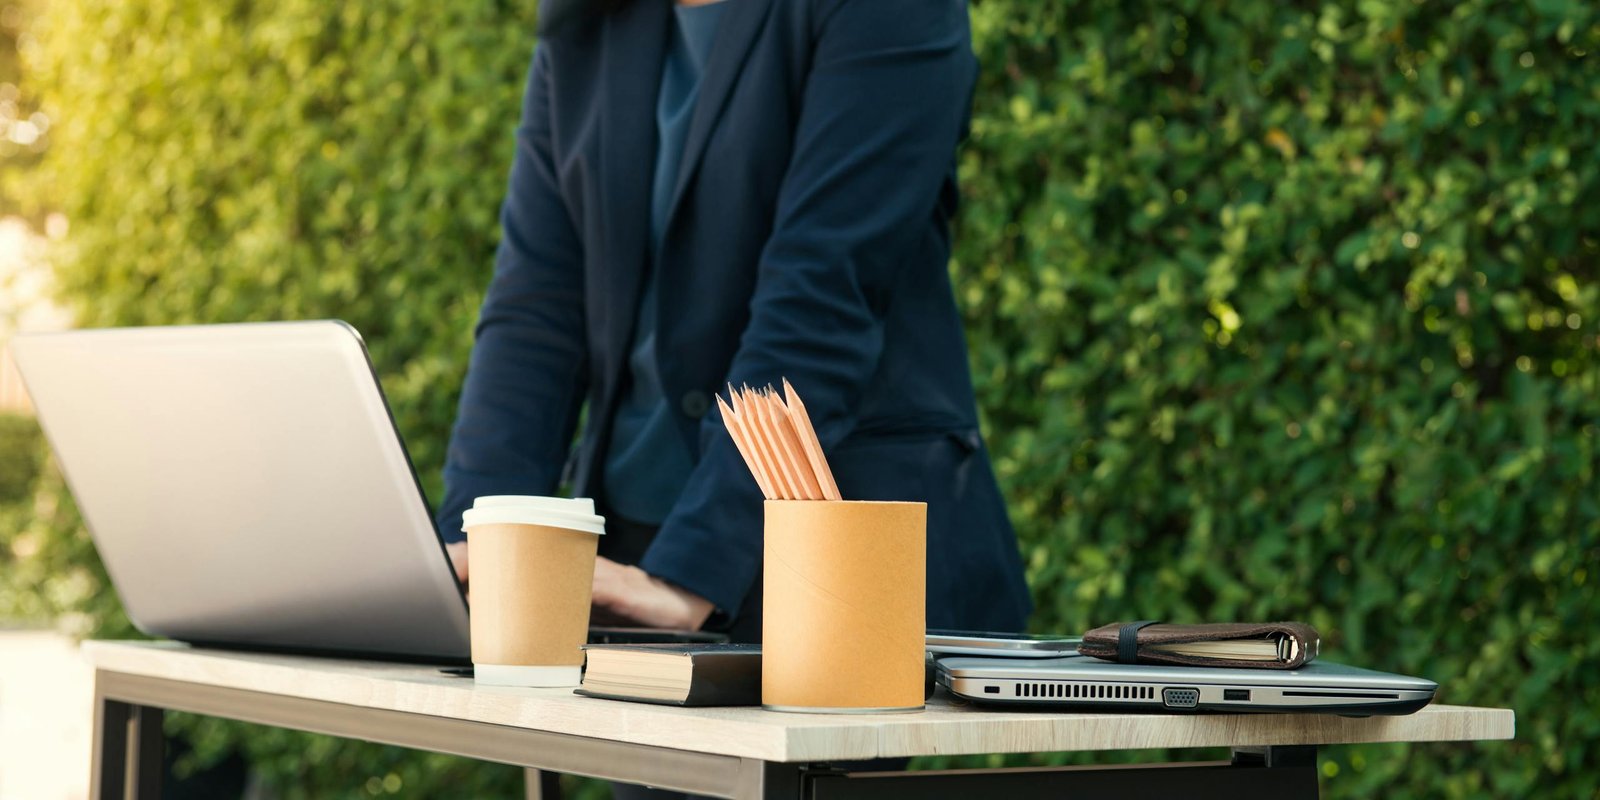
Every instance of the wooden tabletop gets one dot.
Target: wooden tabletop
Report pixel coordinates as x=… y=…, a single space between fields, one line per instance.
x=945 y=728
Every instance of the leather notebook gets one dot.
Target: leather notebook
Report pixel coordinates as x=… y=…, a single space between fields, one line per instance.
x=1266 y=645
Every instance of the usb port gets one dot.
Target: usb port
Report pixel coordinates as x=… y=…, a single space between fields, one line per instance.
x=1236 y=694
x=991 y=690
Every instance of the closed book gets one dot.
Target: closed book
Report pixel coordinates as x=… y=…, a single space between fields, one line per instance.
x=679 y=674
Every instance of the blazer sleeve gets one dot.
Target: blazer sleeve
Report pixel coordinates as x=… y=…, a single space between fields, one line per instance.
x=527 y=375
x=883 y=109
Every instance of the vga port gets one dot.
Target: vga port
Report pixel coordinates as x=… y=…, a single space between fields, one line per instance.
x=1180 y=698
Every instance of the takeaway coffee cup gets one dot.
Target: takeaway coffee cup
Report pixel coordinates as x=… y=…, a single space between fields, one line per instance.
x=532 y=573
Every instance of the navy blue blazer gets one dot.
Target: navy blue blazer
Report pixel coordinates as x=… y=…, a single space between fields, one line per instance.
x=808 y=239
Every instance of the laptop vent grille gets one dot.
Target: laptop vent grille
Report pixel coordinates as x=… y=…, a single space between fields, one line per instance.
x=1084 y=691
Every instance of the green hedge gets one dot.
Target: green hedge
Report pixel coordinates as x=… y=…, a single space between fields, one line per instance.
x=22 y=138
x=22 y=453
x=1276 y=309
x=19 y=469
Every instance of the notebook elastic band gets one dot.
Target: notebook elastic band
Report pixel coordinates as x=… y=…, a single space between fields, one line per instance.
x=1128 y=641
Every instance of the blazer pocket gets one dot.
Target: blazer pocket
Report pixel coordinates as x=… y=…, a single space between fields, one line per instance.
x=926 y=466
x=969 y=440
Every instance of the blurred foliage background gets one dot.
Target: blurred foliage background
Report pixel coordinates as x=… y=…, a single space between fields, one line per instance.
x=1277 y=310
x=24 y=129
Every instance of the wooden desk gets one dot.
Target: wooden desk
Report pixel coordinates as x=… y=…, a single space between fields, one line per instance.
x=722 y=752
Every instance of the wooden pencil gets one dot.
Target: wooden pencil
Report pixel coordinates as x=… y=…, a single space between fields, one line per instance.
x=730 y=420
x=755 y=404
x=812 y=446
x=789 y=442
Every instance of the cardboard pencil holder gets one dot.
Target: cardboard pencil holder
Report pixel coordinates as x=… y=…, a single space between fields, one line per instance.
x=844 y=620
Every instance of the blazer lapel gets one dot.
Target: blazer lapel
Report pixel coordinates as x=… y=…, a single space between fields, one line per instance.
x=736 y=33
x=635 y=40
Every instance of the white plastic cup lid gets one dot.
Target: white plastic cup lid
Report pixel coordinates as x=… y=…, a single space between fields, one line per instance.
x=557 y=512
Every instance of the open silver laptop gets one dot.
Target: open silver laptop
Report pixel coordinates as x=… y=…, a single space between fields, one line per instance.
x=1090 y=683
x=245 y=486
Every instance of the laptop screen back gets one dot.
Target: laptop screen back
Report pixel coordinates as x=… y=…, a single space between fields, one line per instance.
x=245 y=485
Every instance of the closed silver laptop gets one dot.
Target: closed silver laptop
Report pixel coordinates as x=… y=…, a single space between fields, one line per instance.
x=245 y=485
x=1090 y=683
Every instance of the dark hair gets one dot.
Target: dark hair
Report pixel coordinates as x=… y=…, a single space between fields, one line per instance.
x=556 y=16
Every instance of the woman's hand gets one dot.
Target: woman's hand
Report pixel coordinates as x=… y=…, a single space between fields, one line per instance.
x=458 y=559
x=627 y=594
x=634 y=595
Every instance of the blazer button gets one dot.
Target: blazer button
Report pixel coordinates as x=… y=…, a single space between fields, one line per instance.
x=695 y=404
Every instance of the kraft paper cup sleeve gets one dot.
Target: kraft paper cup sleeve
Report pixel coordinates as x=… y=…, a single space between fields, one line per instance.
x=844 y=612
x=531 y=593
x=532 y=572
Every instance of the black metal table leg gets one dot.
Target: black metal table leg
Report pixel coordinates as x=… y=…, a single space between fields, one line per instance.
x=127 y=759
x=1276 y=756
x=108 y=764
x=541 y=784
x=146 y=752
